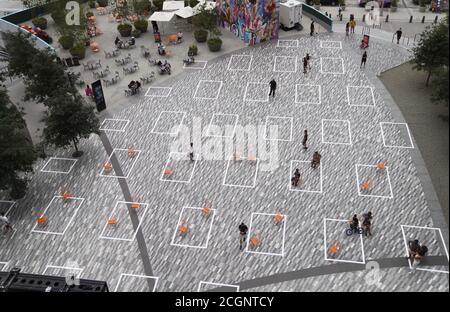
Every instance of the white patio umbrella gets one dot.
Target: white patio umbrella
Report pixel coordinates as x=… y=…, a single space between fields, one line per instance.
x=173 y=5
x=162 y=17
x=185 y=12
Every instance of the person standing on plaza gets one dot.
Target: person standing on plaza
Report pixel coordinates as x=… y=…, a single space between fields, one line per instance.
x=273 y=86
x=305 y=139
x=418 y=257
x=191 y=152
x=88 y=91
x=363 y=60
x=316 y=160
x=399 y=34
x=347 y=29
x=296 y=178
x=413 y=247
x=352 y=25
x=4 y=222
x=312 y=28
x=305 y=65
x=308 y=61
x=243 y=229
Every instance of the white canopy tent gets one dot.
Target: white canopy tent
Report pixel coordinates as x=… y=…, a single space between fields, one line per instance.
x=161 y=17
x=173 y=5
x=185 y=12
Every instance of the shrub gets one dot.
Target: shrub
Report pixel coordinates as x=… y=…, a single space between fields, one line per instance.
x=142 y=7
x=102 y=3
x=214 y=44
x=125 y=30
x=91 y=4
x=89 y=14
x=158 y=4
x=66 y=42
x=394 y=3
x=193 y=3
x=40 y=22
x=136 y=33
x=78 y=51
x=141 y=25
x=193 y=50
x=200 y=35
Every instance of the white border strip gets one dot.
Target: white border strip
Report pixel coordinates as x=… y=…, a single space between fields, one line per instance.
x=187 y=160
x=285 y=40
x=208 y=98
x=396 y=123
x=361 y=87
x=170 y=133
x=159 y=96
x=239 y=185
x=113 y=119
x=284 y=71
x=278 y=117
x=194 y=67
x=217 y=284
x=297 y=86
x=48 y=266
x=222 y=136
x=300 y=190
x=135 y=158
x=59 y=158
x=358 y=182
x=348 y=129
x=266 y=88
x=12 y=204
x=138 y=276
x=342 y=72
x=240 y=69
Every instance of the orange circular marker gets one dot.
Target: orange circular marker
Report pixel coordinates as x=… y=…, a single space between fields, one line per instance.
x=381 y=166
x=107 y=167
x=255 y=241
x=278 y=218
x=131 y=151
x=365 y=185
x=183 y=229
x=112 y=221
x=135 y=205
x=41 y=219
x=66 y=195
x=334 y=249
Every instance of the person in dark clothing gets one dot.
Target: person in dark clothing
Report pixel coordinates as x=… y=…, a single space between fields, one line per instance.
x=243 y=229
x=354 y=223
x=305 y=139
x=363 y=59
x=116 y=41
x=316 y=160
x=399 y=34
x=296 y=178
x=305 y=65
x=273 y=86
x=312 y=29
x=308 y=60
x=414 y=247
x=347 y=29
x=191 y=152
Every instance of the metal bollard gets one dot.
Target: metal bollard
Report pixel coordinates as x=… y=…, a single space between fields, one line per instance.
x=340 y=17
x=410 y=19
x=387 y=18
x=436 y=19
x=364 y=18
x=423 y=19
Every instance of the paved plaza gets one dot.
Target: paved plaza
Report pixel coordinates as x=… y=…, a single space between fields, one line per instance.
x=350 y=120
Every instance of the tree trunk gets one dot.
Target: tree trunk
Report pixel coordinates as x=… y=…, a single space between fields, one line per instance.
x=75 y=145
x=428 y=78
x=77 y=153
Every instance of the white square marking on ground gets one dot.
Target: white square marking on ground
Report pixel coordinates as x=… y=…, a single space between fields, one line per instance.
x=68 y=163
x=341 y=130
x=6 y=206
x=235 y=62
x=256 y=92
x=121 y=215
x=193 y=226
x=342 y=236
x=335 y=63
x=68 y=271
x=307 y=164
x=284 y=129
x=50 y=218
x=184 y=159
x=121 y=151
x=287 y=43
x=3 y=266
x=355 y=92
x=308 y=94
x=395 y=124
x=118 y=125
x=225 y=126
x=285 y=64
x=237 y=287
x=123 y=276
x=167 y=123
x=375 y=174
x=203 y=88
x=241 y=160
x=196 y=65
x=160 y=92
x=263 y=238
x=331 y=44
x=441 y=243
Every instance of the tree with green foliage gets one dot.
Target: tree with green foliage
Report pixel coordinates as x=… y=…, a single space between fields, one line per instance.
x=432 y=51
x=207 y=20
x=58 y=12
x=68 y=120
x=17 y=153
x=41 y=72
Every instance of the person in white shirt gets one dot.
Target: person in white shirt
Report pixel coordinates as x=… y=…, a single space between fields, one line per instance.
x=4 y=222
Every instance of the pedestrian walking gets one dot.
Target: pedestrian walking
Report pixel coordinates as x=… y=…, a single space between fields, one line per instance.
x=399 y=34
x=354 y=223
x=363 y=60
x=312 y=28
x=5 y=224
x=296 y=178
x=243 y=229
x=367 y=225
x=305 y=139
x=413 y=247
x=88 y=91
x=305 y=65
x=316 y=160
x=347 y=29
x=191 y=152
x=308 y=60
x=273 y=86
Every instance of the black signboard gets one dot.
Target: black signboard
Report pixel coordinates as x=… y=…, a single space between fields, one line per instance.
x=98 y=95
